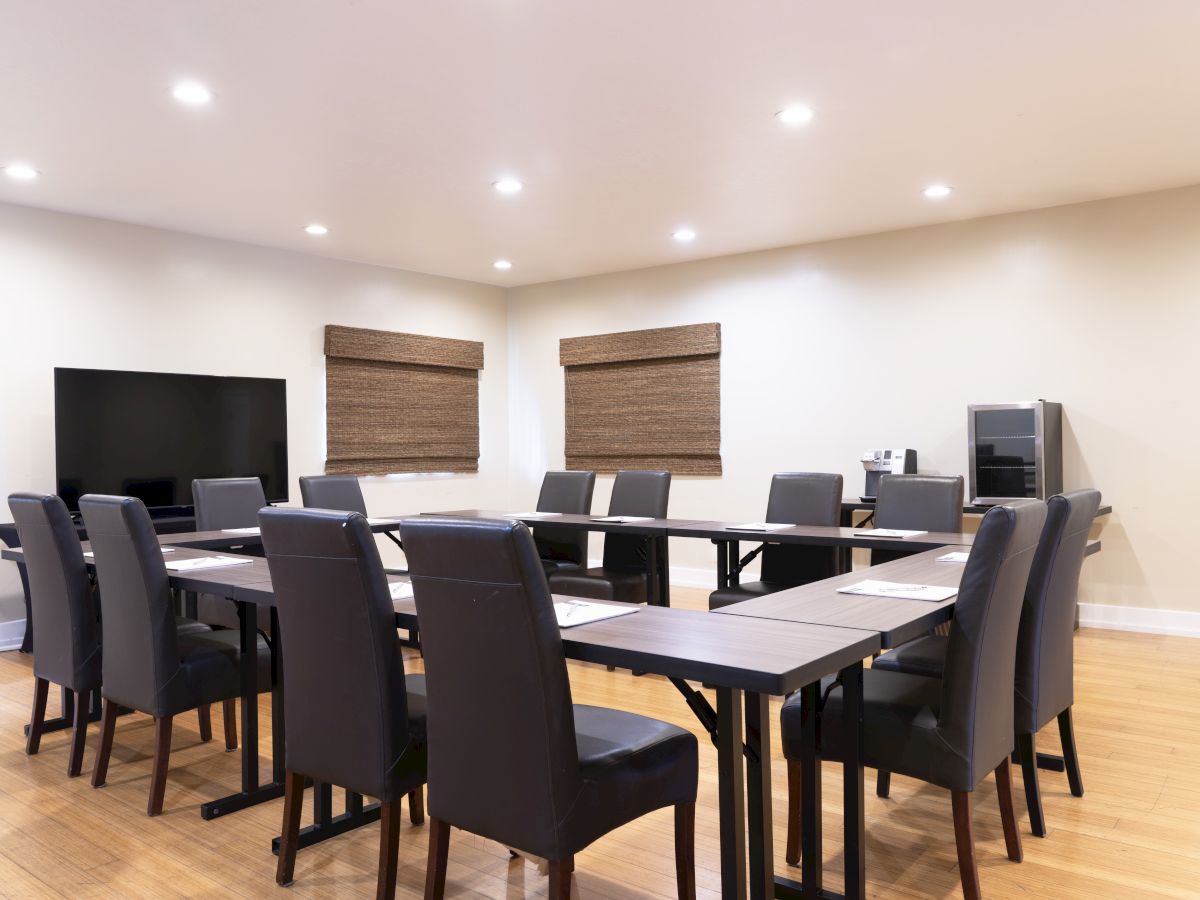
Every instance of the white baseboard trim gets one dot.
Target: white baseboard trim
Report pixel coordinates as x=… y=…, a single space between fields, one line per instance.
x=694 y=577
x=1179 y=622
x=11 y=634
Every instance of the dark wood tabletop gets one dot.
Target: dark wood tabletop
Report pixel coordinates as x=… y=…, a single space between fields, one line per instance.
x=590 y=522
x=971 y=509
x=818 y=535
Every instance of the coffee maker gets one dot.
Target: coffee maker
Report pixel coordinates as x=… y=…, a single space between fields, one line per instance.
x=878 y=463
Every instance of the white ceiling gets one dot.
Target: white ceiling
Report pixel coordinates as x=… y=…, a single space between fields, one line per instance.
x=388 y=120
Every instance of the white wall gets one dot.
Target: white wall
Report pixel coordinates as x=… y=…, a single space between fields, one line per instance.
x=94 y=294
x=832 y=348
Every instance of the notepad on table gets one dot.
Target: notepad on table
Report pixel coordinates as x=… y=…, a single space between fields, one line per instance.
x=931 y=592
x=252 y=530
x=90 y=554
x=955 y=556
x=899 y=533
x=758 y=526
x=578 y=612
x=623 y=519
x=384 y=520
x=531 y=515
x=400 y=589
x=206 y=562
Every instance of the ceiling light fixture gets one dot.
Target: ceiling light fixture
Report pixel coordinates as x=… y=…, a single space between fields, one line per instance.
x=508 y=185
x=937 y=191
x=21 y=171
x=502 y=264
x=193 y=93
x=795 y=115
x=316 y=229
x=684 y=235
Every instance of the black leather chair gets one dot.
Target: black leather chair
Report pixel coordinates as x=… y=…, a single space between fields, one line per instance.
x=622 y=575
x=148 y=665
x=551 y=777
x=949 y=731
x=559 y=546
x=228 y=503
x=332 y=492
x=919 y=503
x=66 y=628
x=353 y=718
x=1045 y=684
x=797 y=498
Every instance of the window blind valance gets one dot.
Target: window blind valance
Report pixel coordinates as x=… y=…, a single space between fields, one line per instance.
x=644 y=400
x=400 y=402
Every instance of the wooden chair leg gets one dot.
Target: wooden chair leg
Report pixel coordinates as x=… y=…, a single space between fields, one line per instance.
x=416 y=806
x=964 y=838
x=79 y=726
x=162 y=756
x=204 y=716
x=37 y=718
x=293 y=805
x=793 y=814
x=108 y=723
x=883 y=784
x=229 y=709
x=389 y=849
x=1012 y=836
x=685 y=850
x=1027 y=750
x=435 y=865
x=1066 y=730
x=560 y=878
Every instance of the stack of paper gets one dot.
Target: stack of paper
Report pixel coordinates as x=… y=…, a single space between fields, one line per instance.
x=401 y=589
x=623 y=519
x=91 y=555
x=577 y=612
x=930 y=592
x=254 y=530
x=758 y=526
x=206 y=562
x=386 y=520
x=531 y=515
x=900 y=533
x=954 y=556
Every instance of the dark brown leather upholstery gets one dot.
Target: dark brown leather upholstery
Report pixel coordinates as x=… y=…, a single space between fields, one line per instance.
x=228 y=503
x=561 y=547
x=332 y=492
x=346 y=704
x=919 y=503
x=550 y=778
x=622 y=576
x=797 y=498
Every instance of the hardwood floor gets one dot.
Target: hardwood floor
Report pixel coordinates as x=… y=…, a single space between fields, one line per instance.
x=1136 y=832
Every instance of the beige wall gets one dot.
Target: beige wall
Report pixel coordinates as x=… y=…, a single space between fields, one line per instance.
x=832 y=348
x=84 y=292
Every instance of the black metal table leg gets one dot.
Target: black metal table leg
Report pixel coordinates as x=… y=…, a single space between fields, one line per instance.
x=732 y=794
x=852 y=783
x=278 y=762
x=733 y=548
x=664 y=572
x=653 y=594
x=758 y=796
x=722 y=564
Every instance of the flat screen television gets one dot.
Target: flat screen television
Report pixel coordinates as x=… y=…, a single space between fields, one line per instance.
x=148 y=434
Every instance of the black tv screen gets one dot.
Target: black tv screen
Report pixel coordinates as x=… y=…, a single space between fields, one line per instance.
x=148 y=434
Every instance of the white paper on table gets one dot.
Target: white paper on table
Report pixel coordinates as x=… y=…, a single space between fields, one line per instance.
x=400 y=590
x=252 y=530
x=375 y=520
x=531 y=515
x=91 y=554
x=931 y=592
x=758 y=526
x=900 y=533
x=578 y=612
x=206 y=562
x=955 y=556
x=623 y=519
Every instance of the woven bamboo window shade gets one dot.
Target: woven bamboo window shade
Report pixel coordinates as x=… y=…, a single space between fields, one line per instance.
x=644 y=400
x=400 y=402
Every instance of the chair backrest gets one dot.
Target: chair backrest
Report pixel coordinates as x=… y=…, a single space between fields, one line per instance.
x=333 y=492
x=1046 y=646
x=976 y=715
x=141 y=652
x=227 y=502
x=346 y=701
x=920 y=502
x=564 y=492
x=634 y=493
x=503 y=761
x=66 y=634
x=802 y=498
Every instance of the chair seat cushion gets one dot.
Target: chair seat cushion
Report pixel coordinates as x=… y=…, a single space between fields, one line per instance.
x=600 y=584
x=731 y=595
x=209 y=672
x=550 y=566
x=630 y=765
x=184 y=625
x=923 y=656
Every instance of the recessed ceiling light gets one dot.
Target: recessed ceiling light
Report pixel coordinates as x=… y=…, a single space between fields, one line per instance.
x=684 y=235
x=795 y=115
x=316 y=228
x=508 y=186
x=21 y=171
x=193 y=93
x=938 y=191
x=502 y=264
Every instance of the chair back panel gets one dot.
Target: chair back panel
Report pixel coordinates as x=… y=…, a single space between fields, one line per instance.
x=503 y=762
x=802 y=498
x=227 y=502
x=634 y=493
x=1046 y=646
x=66 y=633
x=346 y=701
x=976 y=716
x=564 y=492
x=920 y=502
x=333 y=492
